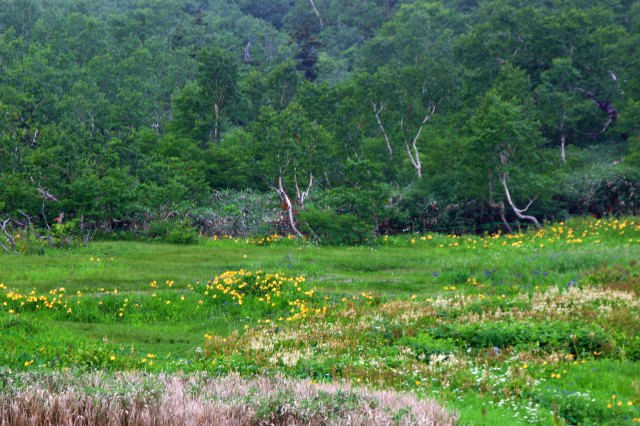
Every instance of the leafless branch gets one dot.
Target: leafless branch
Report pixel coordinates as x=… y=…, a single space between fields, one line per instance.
x=46 y=195
x=517 y=211
x=289 y=207
x=301 y=196
x=26 y=216
x=9 y=237
x=414 y=154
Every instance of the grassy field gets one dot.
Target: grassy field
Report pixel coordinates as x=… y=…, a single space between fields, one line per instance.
x=534 y=328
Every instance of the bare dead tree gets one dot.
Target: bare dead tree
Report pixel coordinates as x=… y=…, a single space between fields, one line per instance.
x=301 y=196
x=286 y=201
x=519 y=212
x=46 y=195
x=27 y=217
x=8 y=236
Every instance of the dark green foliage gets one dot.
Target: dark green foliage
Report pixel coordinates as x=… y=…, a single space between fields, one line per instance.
x=617 y=195
x=407 y=114
x=576 y=407
x=632 y=351
x=332 y=228
x=172 y=232
x=580 y=340
x=426 y=345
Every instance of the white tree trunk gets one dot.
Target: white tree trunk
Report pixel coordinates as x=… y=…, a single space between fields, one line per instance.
x=563 y=141
x=301 y=196
x=376 y=112
x=517 y=211
x=313 y=5
x=9 y=237
x=289 y=206
x=412 y=151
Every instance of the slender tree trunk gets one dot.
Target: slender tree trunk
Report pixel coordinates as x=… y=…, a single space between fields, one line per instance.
x=301 y=196
x=9 y=237
x=313 y=5
x=289 y=207
x=412 y=151
x=563 y=139
x=376 y=112
x=517 y=211
x=504 y=218
x=216 y=111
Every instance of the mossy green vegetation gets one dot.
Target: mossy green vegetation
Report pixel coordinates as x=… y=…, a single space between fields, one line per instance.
x=528 y=328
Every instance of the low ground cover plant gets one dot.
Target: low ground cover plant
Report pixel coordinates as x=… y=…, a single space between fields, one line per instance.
x=500 y=329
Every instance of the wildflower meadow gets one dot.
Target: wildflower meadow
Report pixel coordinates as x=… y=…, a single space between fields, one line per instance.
x=534 y=327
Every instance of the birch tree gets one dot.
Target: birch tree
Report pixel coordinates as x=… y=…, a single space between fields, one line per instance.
x=291 y=153
x=505 y=145
x=402 y=102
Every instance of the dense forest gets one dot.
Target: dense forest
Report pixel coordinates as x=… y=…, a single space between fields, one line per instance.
x=332 y=119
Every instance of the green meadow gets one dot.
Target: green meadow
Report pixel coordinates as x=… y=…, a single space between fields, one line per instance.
x=527 y=328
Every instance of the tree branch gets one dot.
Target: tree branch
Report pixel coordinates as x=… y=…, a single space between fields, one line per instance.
x=301 y=196
x=415 y=156
x=12 y=241
x=376 y=112
x=313 y=5
x=287 y=201
x=517 y=211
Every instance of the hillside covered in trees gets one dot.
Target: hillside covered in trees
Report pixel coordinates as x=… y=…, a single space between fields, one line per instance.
x=324 y=118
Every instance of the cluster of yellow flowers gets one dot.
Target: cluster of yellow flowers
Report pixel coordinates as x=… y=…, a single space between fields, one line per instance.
x=257 y=241
x=271 y=239
x=268 y=289
x=32 y=301
x=576 y=233
x=618 y=403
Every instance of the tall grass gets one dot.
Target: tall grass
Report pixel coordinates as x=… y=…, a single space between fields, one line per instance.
x=141 y=400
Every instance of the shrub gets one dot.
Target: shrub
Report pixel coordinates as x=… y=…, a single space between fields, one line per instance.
x=575 y=407
x=239 y=213
x=632 y=350
x=425 y=345
x=575 y=338
x=335 y=229
x=617 y=195
x=176 y=233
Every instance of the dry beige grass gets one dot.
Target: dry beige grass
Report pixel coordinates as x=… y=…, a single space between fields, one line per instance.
x=138 y=399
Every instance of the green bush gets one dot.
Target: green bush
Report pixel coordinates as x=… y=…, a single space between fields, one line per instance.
x=632 y=350
x=331 y=228
x=575 y=338
x=172 y=232
x=575 y=407
x=425 y=344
